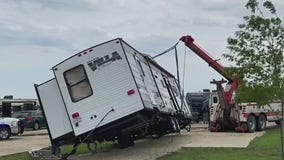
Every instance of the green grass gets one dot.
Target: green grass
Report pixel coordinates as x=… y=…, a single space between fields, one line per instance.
x=267 y=147
x=64 y=149
x=84 y=149
x=19 y=156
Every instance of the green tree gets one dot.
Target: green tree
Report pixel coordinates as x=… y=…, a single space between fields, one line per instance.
x=257 y=51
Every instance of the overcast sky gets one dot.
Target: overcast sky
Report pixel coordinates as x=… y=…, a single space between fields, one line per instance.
x=37 y=34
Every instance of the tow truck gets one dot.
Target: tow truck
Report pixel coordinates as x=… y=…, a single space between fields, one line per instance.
x=225 y=112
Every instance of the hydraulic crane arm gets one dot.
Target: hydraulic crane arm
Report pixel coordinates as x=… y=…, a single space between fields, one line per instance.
x=225 y=96
x=189 y=42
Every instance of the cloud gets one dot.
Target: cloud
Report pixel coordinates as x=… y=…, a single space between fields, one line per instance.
x=37 y=34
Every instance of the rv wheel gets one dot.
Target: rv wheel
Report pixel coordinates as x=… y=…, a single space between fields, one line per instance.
x=261 y=123
x=124 y=141
x=251 y=123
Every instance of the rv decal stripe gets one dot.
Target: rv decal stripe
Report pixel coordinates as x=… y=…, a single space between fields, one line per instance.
x=100 y=61
x=273 y=114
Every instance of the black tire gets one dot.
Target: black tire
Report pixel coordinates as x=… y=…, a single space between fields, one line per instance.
x=5 y=133
x=36 y=126
x=125 y=141
x=251 y=123
x=278 y=123
x=245 y=127
x=261 y=123
x=219 y=127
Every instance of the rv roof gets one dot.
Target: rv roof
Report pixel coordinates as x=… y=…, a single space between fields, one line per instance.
x=86 y=50
x=148 y=57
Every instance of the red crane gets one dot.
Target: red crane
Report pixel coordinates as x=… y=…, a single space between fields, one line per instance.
x=225 y=95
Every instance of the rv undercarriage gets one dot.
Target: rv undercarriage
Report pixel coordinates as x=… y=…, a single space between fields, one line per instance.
x=126 y=130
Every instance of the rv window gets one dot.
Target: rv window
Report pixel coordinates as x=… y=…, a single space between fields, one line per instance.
x=78 y=83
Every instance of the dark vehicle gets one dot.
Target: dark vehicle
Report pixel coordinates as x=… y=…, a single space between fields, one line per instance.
x=195 y=115
x=196 y=101
x=31 y=118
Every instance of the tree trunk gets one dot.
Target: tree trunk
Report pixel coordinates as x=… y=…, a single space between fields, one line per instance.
x=282 y=136
x=282 y=126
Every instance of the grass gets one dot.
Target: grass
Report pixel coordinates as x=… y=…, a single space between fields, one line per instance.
x=261 y=148
x=18 y=156
x=82 y=149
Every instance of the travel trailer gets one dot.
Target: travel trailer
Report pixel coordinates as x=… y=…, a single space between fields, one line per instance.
x=111 y=92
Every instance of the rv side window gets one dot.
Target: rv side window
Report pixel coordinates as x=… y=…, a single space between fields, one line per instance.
x=78 y=83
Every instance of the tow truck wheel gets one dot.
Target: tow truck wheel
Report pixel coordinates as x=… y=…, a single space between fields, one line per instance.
x=251 y=123
x=4 y=133
x=261 y=123
x=245 y=127
x=219 y=127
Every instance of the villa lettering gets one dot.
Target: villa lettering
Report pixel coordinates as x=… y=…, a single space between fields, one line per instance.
x=99 y=61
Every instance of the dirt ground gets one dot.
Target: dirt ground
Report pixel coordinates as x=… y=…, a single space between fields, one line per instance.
x=150 y=149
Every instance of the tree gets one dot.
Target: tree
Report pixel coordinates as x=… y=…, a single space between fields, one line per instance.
x=257 y=51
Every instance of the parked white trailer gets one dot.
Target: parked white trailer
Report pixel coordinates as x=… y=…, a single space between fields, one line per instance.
x=111 y=92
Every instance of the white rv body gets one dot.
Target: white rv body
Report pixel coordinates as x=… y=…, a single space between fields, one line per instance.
x=110 y=88
x=50 y=96
x=109 y=82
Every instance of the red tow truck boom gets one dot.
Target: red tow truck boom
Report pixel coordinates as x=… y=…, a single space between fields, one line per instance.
x=225 y=95
x=232 y=80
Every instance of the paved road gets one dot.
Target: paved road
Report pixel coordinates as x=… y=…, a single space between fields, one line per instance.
x=18 y=144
